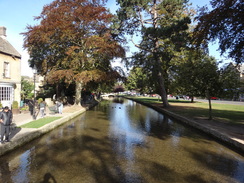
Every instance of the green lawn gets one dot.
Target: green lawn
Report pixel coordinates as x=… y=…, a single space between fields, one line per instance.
x=221 y=112
x=40 y=122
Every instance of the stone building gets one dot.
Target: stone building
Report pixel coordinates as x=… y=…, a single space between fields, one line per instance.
x=10 y=71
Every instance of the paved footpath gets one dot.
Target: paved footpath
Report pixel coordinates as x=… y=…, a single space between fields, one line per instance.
x=21 y=136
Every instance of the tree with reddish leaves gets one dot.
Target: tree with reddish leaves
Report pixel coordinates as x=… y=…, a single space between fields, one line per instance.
x=73 y=42
x=223 y=23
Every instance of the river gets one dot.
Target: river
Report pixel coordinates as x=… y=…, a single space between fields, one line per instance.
x=121 y=141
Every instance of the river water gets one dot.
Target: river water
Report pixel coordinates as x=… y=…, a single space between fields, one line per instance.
x=121 y=141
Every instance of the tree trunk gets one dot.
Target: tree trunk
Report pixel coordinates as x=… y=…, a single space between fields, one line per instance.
x=163 y=93
x=57 y=91
x=78 y=88
x=161 y=82
x=210 y=106
x=210 y=109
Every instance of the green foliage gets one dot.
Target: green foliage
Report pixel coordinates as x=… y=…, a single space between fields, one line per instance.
x=198 y=76
x=26 y=88
x=39 y=100
x=25 y=108
x=15 y=105
x=225 y=24
x=163 y=26
x=48 y=90
x=1 y=105
x=139 y=80
x=230 y=78
x=74 y=43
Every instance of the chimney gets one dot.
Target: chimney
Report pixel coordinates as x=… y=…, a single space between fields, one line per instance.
x=3 y=32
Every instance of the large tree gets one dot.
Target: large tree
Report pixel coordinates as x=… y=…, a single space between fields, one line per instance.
x=139 y=80
x=225 y=23
x=199 y=76
x=74 y=42
x=161 y=25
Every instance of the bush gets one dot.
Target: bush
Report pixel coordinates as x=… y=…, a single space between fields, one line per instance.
x=25 y=108
x=39 y=100
x=15 y=105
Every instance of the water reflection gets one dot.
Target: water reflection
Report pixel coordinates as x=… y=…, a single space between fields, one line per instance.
x=124 y=132
x=122 y=142
x=4 y=171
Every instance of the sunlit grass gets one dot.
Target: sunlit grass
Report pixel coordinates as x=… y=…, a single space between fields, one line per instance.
x=221 y=112
x=148 y=99
x=40 y=122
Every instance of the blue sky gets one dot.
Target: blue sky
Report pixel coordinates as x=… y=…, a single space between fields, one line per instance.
x=17 y=14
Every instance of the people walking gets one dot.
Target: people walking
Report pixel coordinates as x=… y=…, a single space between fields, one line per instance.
x=59 y=106
x=6 y=117
x=42 y=106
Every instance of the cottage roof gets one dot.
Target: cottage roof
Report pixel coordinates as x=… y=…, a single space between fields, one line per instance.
x=7 y=48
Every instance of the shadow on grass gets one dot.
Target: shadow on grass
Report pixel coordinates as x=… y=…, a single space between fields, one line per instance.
x=232 y=117
x=235 y=117
x=198 y=111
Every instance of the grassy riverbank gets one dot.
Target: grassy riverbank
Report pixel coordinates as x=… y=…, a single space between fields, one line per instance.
x=40 y=122
x=199 y=110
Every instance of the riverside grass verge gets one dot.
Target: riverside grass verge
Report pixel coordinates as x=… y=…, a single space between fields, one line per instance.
x=40 y=122
x=233 y=114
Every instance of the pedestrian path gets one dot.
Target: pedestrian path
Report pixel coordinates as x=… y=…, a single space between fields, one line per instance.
x=21 y=119
x=21 y=136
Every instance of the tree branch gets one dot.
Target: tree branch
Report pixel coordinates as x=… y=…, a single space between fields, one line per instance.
x=138 y=46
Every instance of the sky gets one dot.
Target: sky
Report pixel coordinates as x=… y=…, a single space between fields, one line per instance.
x=17 y=14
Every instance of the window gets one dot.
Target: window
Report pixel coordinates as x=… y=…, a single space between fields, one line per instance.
x=6 y=70
x=5 y=93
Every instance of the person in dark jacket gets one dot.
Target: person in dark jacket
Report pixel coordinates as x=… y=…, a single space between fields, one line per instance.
x=6 y=117
x=31 y=106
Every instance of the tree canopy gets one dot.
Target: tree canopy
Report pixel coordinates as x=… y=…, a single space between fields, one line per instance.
x=225 y=24
x=199 y=76
x=162 y=26
x=230 y=77
x=73 y=43
x=139 y=80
